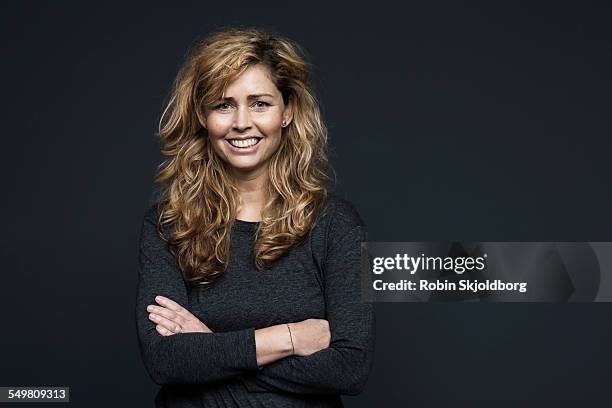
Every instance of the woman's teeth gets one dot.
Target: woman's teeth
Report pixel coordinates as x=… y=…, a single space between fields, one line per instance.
x=244 y=143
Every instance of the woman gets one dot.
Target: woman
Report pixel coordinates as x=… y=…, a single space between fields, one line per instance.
x=249 y=290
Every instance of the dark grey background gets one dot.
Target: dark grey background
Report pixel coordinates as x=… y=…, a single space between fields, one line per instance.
x=448 y=120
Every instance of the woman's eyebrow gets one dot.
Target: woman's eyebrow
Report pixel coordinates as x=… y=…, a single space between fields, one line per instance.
x=254 y=96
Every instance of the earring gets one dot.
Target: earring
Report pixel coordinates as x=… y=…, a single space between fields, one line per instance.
x=283 y=124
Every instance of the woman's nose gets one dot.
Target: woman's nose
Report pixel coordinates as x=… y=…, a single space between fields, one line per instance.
x=242 y=118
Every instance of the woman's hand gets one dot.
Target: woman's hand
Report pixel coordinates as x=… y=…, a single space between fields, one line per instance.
x=310 y=336
x=172 y=318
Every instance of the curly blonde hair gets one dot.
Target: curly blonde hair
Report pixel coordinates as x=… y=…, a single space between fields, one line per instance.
x=198 y=197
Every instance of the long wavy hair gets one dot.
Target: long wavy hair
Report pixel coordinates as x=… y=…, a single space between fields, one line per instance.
x=198 y=196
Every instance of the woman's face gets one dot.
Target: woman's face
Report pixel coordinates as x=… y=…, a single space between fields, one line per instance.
x=245 y=126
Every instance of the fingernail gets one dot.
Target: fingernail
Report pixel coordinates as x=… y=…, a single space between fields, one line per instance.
x=159 y=298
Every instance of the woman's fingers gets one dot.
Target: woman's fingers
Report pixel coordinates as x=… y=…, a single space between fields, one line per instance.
x=167 y=313
x=163 y=331
x=172 y=318
x=170 y=304
x=165 y=323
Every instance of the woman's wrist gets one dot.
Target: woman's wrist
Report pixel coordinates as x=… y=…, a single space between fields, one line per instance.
x=274 y=343
x=291 y=338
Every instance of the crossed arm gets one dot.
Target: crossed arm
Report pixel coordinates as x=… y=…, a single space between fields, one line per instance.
x=261 y=358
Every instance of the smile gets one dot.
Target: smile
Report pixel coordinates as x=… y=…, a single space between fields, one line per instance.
x=242 y=147
x=243 y=144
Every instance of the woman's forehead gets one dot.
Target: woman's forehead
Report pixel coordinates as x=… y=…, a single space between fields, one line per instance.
x=254 y=81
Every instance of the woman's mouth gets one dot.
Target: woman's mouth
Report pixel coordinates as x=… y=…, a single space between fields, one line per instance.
x=243 y=145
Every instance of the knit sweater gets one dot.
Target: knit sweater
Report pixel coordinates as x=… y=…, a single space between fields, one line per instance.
x=319 y=278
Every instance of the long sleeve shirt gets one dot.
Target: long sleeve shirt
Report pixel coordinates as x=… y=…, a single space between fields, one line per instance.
x=319 y=278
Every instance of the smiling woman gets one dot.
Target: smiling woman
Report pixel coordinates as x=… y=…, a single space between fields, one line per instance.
x=249 y=281
x=245 y=129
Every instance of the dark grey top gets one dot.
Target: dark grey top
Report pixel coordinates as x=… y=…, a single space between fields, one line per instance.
x=320 y=278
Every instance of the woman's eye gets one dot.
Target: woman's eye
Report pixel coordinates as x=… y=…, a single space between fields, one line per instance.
x=261 y=104
x=227 y=106
x=223 y=106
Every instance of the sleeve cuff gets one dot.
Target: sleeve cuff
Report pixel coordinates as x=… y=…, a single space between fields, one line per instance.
x=250 y=355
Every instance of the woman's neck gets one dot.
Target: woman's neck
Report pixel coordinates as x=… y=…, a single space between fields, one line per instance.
x=252 y=189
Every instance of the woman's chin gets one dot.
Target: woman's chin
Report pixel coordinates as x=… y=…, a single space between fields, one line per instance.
x=244 y=166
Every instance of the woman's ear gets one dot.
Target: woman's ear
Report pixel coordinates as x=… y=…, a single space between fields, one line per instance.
x=288 y=114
